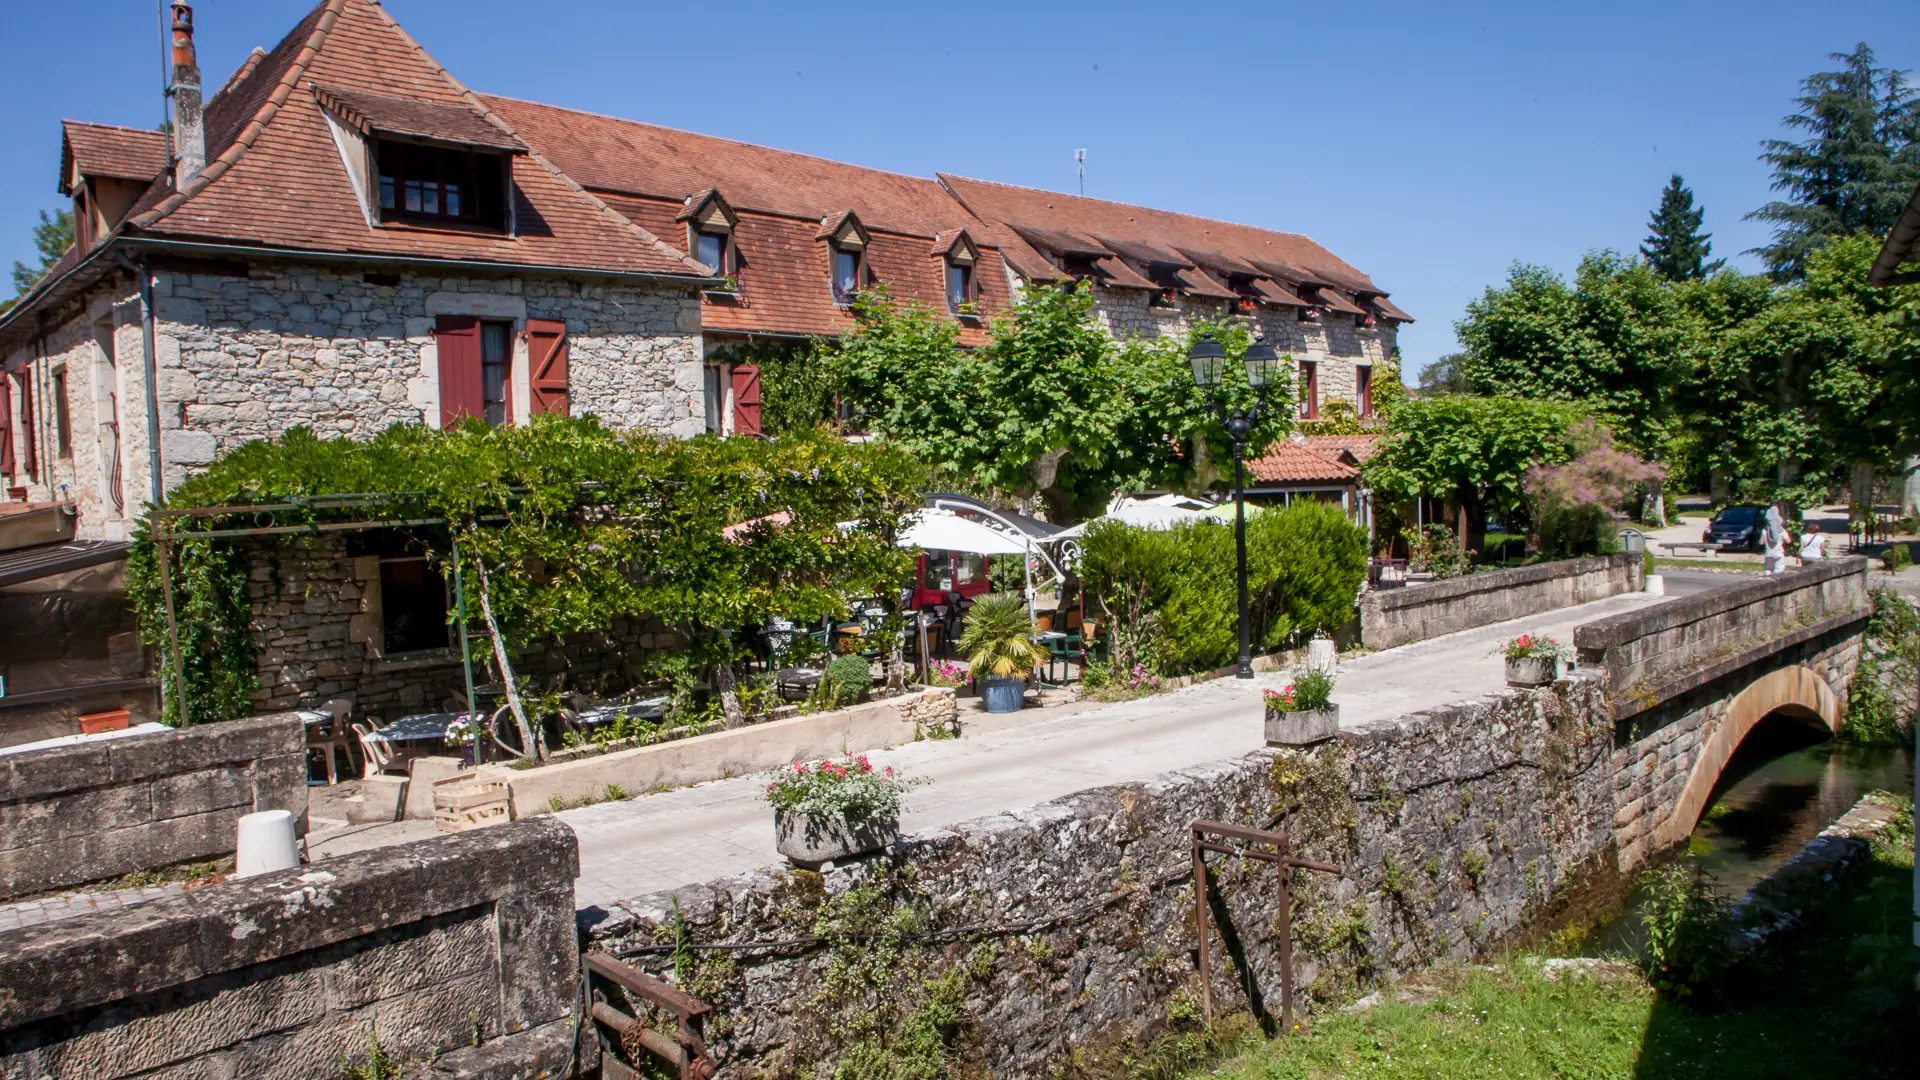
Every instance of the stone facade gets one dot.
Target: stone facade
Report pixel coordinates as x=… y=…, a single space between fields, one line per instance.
x=245 y=352
x=317 y=619
x=75 y=814
x=460 y=950
x=1072 y=932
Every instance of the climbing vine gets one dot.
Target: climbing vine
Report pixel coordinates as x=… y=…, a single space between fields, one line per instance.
x=1877 y=713
x=563 y=525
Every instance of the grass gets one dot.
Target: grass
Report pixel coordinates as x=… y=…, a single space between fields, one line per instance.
x=1838 y=998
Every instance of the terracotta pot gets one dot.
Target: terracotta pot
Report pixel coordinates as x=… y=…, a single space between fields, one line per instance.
x=95 y=723
x=809 y=841
x=1532 y=671
x=1302 y=727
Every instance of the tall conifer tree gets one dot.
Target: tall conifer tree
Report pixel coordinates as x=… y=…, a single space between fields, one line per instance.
x=1676 y=248
x=1856 y=169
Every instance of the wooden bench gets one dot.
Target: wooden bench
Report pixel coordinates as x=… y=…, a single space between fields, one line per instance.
x=1708 y=548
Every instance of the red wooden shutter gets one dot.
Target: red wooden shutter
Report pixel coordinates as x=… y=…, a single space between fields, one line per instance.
x=746 y=399
x=29 y=452
x=6 y=426
x=1365 y=375
x=1309 y=389
x=458 y=337
x=547 y=362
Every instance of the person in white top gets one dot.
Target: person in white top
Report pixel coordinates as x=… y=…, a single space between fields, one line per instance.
x=1774 y=554
x=1813 y=546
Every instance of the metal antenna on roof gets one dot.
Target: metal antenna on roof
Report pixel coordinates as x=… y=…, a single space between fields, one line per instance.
x=166 y=74
x=1080 y=163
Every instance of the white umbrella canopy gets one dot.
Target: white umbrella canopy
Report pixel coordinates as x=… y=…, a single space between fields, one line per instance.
x=1147 y=514
x=943 y=530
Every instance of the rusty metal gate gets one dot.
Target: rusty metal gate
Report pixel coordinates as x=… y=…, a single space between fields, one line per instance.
x=1203 y=842
x=625 y=1037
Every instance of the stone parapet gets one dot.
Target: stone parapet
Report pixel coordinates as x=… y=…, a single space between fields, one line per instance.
x=1391 y=617
x=75 y=814
x=460 y=948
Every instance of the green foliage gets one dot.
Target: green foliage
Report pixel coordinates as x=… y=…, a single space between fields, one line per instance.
x=219 y=654
x=1686 y=924
x=1437 y=549
x=1676 y=249
x=1171 y=595
x=1446 y=375
x=1876 y=714
x=376 y=1066
x=1051 y=407
x=1474 y=451
x=998 y=637
x=51 y=238
x=850 y=677
x=1574 y=531
x=1855 y=171
x=575 y=525
x=1337 y=417
x=799 y=383
x=1312 y=689
x=1896 y=558
x=851 y=788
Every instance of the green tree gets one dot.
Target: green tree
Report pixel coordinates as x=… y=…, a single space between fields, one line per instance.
x=52 y=237
x=1856 y=169
x=1473 y=452
x=1445 y=376
x=1675 y=247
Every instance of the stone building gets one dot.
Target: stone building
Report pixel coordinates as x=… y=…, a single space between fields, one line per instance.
x=346 y=238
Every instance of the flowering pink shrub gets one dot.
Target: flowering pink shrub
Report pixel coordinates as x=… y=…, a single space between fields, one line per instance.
x=1600 y=474
x=946 y=673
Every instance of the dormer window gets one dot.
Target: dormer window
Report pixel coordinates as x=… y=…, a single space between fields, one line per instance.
x=959 y=256
x=846 y=256
x=428 y=184
x=959 y=286
x=710 y=235
x=711 y=249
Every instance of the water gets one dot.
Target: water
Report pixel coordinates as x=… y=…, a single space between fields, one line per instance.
x=1784 y=785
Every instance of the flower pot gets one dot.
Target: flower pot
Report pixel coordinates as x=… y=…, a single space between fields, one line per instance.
x=1656 y=585
x=1004 y=693
x=96 y=723
x=809 y=841
x=1302 y=726
x=1531 y=671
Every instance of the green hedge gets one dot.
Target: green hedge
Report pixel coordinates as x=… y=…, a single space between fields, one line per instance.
x=1171 y=596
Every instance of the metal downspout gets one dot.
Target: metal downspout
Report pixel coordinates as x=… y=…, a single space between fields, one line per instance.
x=150 y=362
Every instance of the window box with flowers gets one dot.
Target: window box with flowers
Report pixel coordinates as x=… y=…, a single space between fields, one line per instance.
x=1303 y=712
x=967 y=309
x=729 y=286
x=830 y=811
x=1533 y=661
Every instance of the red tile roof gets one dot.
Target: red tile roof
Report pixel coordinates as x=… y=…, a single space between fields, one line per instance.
x=274 y=177
x=1361 y=446
x=106 y=150
x=1032 y=223
x=786 y=204
x=1292 y=464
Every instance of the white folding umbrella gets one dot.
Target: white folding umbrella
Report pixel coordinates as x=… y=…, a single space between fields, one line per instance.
x=1145 y=515
x=943 y=530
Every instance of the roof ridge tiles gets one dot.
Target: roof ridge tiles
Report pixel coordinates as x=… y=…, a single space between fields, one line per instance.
x=116 y=127
x=1124 y=205
x=614 y=217
x=237 y=149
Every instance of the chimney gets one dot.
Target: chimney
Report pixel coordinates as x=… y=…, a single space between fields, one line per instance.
x=189 y=131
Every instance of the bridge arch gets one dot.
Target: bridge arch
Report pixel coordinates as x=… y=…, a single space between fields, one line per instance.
x=1797 y=692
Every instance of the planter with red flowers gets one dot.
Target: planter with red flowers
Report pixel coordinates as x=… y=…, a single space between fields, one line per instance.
x=1533 y=661
x=1302 y=713
x=831 y=811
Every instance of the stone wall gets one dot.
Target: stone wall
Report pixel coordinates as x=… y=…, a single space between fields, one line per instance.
x=1062 y=933
x=242 y=357
x=84 y=813
x=1390 y=617
x=460 y=949
x=316 y=616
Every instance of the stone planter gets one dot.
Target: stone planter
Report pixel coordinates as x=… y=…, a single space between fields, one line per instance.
x=1532 y=671
x=810 y=842
x=1302 y=727
x=1004 y=693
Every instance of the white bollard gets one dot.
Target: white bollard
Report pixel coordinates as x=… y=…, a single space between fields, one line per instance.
x=1321 y=655
x=1656 y=585
x=265 y=844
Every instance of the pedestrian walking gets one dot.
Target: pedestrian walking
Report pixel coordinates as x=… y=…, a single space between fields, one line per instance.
x=1774 y=554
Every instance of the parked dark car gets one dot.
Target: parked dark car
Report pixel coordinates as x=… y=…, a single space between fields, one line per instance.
x=1740 y=527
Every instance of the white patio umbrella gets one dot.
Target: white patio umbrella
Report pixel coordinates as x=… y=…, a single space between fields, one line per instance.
x=943 y=530
x=1154 y=515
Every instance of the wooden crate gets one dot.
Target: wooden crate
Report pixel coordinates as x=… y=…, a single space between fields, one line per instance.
x=465 y=801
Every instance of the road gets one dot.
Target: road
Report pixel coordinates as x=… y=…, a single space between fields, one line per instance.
x=657 y=842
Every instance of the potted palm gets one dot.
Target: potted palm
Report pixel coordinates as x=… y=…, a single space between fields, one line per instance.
x=1000 y=650
x=1303 y=712
x=1533 y=661
x=830 y=811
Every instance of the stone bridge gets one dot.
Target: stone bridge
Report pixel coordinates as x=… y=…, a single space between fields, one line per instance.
x=1688 y=680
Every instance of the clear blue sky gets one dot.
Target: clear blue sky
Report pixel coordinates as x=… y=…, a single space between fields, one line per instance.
x=1431 y=145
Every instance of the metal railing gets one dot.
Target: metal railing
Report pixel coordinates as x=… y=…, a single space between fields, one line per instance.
x=624 y=1037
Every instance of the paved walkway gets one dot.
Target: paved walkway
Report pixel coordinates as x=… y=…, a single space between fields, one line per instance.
x=639 y=846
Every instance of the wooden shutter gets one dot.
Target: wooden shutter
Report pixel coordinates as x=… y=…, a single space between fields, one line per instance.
x=458 y=337
x=547 y=363
x=29 y=451
x=6 y=426
x=1365 y=375
x=746 y=399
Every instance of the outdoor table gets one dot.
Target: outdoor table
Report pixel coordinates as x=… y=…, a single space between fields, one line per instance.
x=799 y=680
x=148 y=728
x=313 y=718
x=420 y=727
x=652 y=708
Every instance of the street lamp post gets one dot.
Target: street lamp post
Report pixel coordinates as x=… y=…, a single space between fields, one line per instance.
x=1209 y=363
